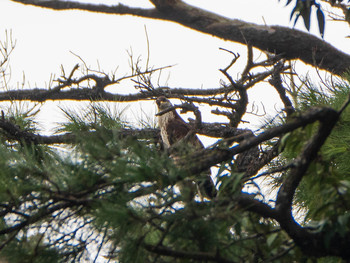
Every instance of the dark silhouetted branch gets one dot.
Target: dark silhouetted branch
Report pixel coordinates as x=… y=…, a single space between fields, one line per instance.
x=274 y=39
x=202 y=256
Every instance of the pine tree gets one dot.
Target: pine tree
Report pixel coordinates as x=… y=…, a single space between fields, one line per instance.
x=104 y=189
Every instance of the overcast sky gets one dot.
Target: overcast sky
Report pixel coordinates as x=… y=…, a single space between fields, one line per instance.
x=45 y=40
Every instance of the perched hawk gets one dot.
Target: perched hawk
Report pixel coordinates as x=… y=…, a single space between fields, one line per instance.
x=173 y=129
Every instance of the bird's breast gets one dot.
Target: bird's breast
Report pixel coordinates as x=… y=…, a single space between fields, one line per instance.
x=163 y=121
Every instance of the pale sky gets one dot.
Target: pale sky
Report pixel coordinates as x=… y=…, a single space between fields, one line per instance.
x=45 y=40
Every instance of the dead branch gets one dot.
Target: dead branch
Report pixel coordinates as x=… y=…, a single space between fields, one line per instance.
x=276 y=82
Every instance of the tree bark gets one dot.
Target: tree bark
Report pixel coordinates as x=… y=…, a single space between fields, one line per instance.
x=289 y=43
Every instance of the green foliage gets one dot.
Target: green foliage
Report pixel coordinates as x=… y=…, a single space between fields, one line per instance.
x=30 y=250
x=303 y=9
x=122 y=192
x=94 y=116
x=325 y=191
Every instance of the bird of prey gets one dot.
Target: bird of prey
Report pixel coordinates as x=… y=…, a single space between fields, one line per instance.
x=173 y=129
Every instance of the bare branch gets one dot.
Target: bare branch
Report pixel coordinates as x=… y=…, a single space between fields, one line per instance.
x=242 y=101
x=277 y=83
x=273 y=39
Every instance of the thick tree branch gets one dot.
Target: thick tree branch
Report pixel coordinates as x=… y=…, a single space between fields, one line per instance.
x=14 y=132
x=99 y=8
x=311 y=242
x=290 y=43
x=248 y=202
x=209 y=157
x=88 y=94
x=201 y=256
x=286 y=193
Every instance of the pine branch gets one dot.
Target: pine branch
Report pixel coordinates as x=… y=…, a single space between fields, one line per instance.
x=309 y=153
x=41 y=213
x=13 y=132
x=202 y=256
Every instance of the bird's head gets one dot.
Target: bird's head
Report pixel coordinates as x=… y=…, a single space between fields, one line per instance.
x=163 y=103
